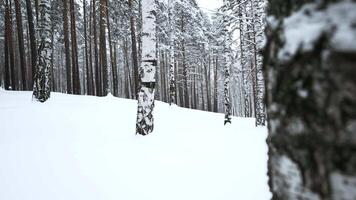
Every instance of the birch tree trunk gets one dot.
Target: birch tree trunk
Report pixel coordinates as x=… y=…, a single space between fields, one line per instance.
x=311 y=101
x=172 y=83
x=147 y=71
x=226 y=64
x=42 y=83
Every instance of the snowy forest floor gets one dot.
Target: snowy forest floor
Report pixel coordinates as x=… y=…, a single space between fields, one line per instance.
x=85 y=148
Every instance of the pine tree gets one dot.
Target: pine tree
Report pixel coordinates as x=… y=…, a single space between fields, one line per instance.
x=23 y=65
x=144 y=124
x=31 y=29
x=42 y=84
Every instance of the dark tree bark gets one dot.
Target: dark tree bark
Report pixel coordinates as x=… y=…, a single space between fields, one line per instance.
x=134 y=50
x=31 y=28
x=216 y=85
x=103 y=56
x=98 y=81
x=112 y=60
x=75 y=64
x=90 y=77
x=311 y=103
x=89 y=72
x=67 y=47
x=7 y=46
x=21 y=45
x=14 y=80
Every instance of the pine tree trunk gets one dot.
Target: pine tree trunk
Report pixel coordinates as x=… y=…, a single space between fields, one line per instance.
x=67 y=47
x=98 y=85
x=216 y=85
x=31 y=28
x=103 y=56
x=21 y=45
x=14 y=79
x=144 y=123
x=75 y=64
x=90 y=78
x=87 y=66
x=134 y=49
x=311 y=103
x=112 y=60
x=42 y=85
x=7 y=47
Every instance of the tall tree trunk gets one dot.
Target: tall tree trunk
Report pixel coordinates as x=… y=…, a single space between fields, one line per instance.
x=144 y=123
x=31 y=28
x=87 y=66
x=216 y=84
x=75 y=64
x=172 y=84
x=42 y=86
x=67 y=47
x=98 y=84
x=134 y=49
x=7 y=46
x=311 y=103
x=14 y=80
x=53 y=82
x=90 y=77
x=127 y=71
x=103 y=56
x=226 y=63
x=112 y=61
x=21 y=44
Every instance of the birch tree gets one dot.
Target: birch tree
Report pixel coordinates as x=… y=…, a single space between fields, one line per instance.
x=172 y=83
x=42 y=87
x=147 y=71
x=311 y=99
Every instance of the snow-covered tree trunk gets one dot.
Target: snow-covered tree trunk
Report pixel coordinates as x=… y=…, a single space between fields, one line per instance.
x=172 y=83
x=227 y=64
x=147 y=71
x=243 y=59
x=258 y=7
x=311 y=99
x=42 y=87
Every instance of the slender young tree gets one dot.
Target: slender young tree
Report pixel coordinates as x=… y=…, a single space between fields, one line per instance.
x=42 y=83
x=144 y=123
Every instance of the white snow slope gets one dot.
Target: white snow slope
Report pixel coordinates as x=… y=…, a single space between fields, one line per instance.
x=85 y=148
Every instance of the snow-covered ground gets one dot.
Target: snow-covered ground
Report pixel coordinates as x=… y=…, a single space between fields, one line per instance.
x=84 y=148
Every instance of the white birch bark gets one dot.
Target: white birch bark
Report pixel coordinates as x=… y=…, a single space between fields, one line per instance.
x=147 y=71
x=42 y=84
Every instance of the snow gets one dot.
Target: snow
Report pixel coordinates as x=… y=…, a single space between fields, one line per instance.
x=81 y=147
x=304 y=27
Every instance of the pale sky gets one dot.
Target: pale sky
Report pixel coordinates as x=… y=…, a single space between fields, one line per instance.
x=208 y=5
